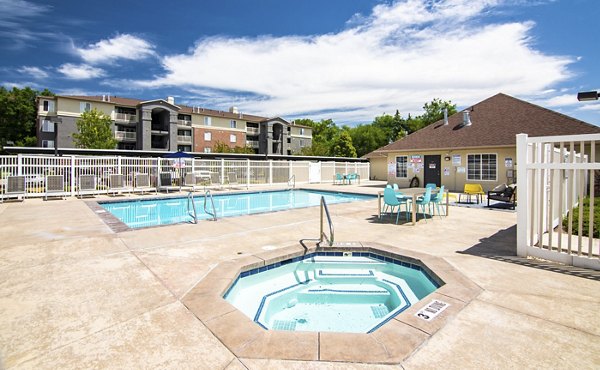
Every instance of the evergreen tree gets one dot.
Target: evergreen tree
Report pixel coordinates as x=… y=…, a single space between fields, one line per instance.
x=95 y=131
x=342 y=146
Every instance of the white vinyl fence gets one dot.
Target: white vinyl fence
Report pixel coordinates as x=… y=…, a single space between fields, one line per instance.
x=36 y=168
x=554 y=176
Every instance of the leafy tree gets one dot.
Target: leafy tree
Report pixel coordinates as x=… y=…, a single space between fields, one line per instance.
x=221 y=147
x=367 y=138
x=434 y=111
x=95 y=131
x=18 y=114
x=342 y=146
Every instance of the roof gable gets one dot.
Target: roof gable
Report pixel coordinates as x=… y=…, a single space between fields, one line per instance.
x=495 y=122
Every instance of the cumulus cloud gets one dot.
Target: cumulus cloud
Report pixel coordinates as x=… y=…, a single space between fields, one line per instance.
x=34 y=72
x=123 y=46
x=80 y=71
x=400 y=56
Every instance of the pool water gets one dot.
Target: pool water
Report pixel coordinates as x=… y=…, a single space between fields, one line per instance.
x=154 y=212
x=356 y=294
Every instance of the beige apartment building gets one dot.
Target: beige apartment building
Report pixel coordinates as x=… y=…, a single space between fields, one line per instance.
x=163 y=125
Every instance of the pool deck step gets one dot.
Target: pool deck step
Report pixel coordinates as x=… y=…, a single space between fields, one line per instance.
x=328 y=273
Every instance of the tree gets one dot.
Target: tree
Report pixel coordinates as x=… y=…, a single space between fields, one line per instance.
x=221 y=147
x=18 y=115
x=434 y=111
x=367 y=138
x=342 y=146
x=95 y=131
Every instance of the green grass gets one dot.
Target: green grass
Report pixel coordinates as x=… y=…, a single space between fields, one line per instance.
x=586 y=220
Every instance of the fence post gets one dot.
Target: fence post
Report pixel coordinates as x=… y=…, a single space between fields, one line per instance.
x=19 y=164
x=222 y=171
x=247 y=173
x=270 y=172
x=119 y=165
x=72 y=175
x=523 y=196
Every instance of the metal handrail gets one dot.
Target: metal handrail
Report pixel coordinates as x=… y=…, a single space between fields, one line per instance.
x=322 y=235
x=190 y=197
x=207 y=194
x=292 y=179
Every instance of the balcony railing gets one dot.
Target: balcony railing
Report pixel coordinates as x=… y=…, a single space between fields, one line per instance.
x=252 y=131
x=184 y=122
x=184 y=139
x=125 y=136
x=125 y=117
x=252 y=143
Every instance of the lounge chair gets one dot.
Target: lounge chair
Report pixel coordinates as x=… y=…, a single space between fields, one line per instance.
x=55 y=186
x=232 y=179
x=507 y=195
x=87 y=185
x=116 y=184
x=215 y=180
x=470 y=190
x=14 y=187
x=190 y=182
x=142 y=183
x=166 y=182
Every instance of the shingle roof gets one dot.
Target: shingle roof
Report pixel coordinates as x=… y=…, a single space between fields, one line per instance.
x=184 y=109
x=495 y=122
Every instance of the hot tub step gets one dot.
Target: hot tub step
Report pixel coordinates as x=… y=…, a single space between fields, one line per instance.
x=324 y=274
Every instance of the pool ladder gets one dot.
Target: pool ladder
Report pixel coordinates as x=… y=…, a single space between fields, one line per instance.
x=194 y=215
x=322 y=235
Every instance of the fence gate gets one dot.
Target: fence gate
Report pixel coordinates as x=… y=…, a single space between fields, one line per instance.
x=314 y=172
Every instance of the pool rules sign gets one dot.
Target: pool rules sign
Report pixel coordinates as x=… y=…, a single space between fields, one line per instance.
x=433 y=309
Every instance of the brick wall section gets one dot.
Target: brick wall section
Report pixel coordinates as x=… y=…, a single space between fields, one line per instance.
x=217 y=135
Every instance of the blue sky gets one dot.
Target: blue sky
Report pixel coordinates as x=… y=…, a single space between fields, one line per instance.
x=349 y=60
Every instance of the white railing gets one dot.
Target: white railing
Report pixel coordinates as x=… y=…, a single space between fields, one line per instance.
x=249 y=172
x=252 y=130
x=184 y=139
x=555 y=174
x=184 y=122
x=125 y=135
x=124 y=117
x=252 y=143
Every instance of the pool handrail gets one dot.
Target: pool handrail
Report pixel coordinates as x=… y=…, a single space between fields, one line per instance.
x=190 y=197
x=322 y=235
x=208 y=194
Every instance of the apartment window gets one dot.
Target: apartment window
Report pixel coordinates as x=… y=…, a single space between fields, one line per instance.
x=85 y=107
x=207 y=121
x=482 y=167
x=401 y=166
x=47 y=143
x=232 y=138
x=232 y=124
x=301 y=131
x=207 y=136
x=46 y=106
x=207 y=150
x=301 y=143
x=47 y=126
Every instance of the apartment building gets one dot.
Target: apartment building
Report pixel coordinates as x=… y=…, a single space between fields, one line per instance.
x=163 y=125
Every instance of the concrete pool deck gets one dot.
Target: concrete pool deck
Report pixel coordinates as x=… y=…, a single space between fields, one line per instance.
x=75 y=294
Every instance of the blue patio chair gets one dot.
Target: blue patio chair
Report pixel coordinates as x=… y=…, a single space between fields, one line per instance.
x=391 y=200
x=436 y=201
x=431 y=185
x=396 y=187
x=423 y=202
x=339 y=179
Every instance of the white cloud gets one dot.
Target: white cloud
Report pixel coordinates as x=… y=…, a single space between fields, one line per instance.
x=80 y=71
x=34 y=72
x=400 y=56
x=124 y=46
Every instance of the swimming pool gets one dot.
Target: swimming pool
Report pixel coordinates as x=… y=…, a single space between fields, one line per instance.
x=166 y=211
x=355 y=293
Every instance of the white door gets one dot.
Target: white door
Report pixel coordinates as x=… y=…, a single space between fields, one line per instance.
x=314 y=172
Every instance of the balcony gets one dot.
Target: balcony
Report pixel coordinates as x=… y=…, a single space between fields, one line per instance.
x=125 y=136
x=184 y=139
x=252 y=131
x=252 y=144
x=125 y=117
x=184 y=122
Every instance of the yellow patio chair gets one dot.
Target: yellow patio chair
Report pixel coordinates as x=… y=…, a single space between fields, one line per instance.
x=470 y=190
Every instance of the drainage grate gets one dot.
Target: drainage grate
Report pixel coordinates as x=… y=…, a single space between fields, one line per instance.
x=379 y=311
x=289 y=325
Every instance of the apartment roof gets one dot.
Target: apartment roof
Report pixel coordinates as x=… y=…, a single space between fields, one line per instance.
x=495 y=122
x=128 y=102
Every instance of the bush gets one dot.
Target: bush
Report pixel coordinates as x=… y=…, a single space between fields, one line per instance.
x=586 y=219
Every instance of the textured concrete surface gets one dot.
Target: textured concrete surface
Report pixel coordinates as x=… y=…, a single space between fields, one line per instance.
x=74 y=294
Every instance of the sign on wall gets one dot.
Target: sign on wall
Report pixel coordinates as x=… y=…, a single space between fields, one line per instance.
x=391 y=169
x=446 y=171
x=416 y=158
x=456 y=160
x=508 y=162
